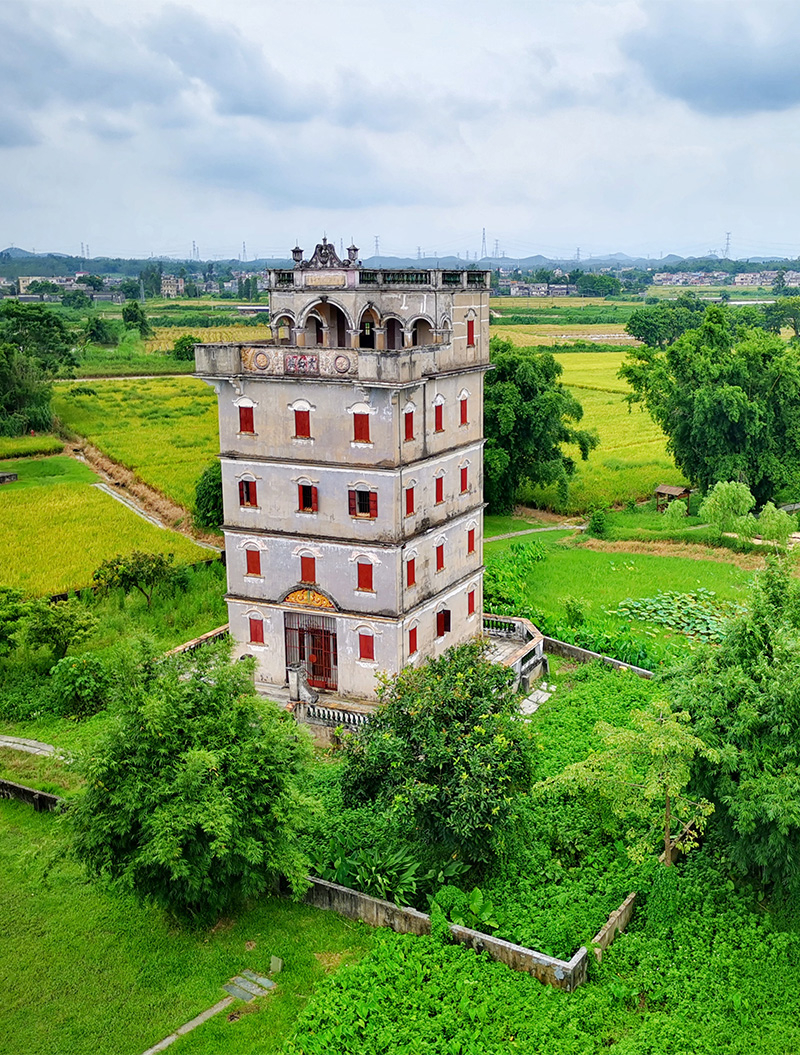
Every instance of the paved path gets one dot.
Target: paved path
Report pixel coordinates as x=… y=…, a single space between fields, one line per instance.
x=32 y=747
x=533 y=531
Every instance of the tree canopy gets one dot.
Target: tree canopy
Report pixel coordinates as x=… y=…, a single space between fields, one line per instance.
x=662 y=324
x=24 y=394
x=730 y=407
x=38 y=332
x=744 y=697
x=528 y=417
x=193 y=798
x=447 y=748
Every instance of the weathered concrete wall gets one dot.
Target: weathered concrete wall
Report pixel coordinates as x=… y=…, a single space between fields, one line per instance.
x=617 y=922
x=354 y=905
x=41 y=801
x=584 y=655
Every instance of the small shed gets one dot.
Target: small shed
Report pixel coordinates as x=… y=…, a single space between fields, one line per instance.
x=666 y=493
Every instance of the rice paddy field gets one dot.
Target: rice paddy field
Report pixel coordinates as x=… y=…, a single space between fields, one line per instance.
x=530 y=335
x=165 y=429
x=56 y=528
x=164 y=337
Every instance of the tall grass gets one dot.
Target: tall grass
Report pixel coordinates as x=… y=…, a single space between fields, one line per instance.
x=165 y=429
x=27 y=446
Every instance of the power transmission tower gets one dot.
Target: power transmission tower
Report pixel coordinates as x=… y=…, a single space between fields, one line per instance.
x=578 y=255
x=483 y=245
x=496 y=248
x=377 y=246
x=727 y=245
x=419 y=252
x=244 y=252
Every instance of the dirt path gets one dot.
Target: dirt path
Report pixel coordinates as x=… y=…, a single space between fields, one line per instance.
x=689 y=550
x=135 y=493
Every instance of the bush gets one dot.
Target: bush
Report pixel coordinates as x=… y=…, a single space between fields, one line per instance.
x=80 y=685
x=598 y=523
x=183 y=348
x=208 y=498
x=193 y=799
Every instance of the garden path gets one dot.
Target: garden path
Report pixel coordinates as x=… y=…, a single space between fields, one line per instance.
x=32 y=747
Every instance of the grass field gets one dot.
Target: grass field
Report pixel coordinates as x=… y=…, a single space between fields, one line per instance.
x=27 y=446
x=85 y=971
x=165 y=337
x=532 y=335
x=165 y=430
x=602 y=579
x=55 y=528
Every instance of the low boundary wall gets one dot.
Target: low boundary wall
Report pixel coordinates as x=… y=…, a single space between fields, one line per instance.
x=563 y=974
x=585 y=655
x=42 y=801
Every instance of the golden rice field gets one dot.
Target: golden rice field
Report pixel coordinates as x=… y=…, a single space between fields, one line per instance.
x=545 y=302
x=20 y=446
x=164 y=337
x=527 y=335
x=165 y=429
x=56 y=528
x=632 y=457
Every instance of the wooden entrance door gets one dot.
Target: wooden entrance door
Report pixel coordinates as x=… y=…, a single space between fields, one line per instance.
x=311 y=640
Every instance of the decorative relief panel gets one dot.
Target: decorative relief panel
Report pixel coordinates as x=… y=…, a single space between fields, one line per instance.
x=278 y=362
x=308 y=599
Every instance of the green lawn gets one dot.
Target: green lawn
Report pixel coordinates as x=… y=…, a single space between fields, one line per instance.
x=75 y=527
x=165 y=429
x=503 y=525
x=602 y=580
x=87 y=972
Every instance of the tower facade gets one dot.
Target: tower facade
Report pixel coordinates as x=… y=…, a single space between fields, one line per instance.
x=352 y=470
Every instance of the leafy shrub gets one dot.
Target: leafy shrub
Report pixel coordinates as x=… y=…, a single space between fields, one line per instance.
x=392 y=874
x=209 y=512
x=80 y=685
x=183 y=348
x=505 y=577
x=573 y=611
x=675 y=513
x=598 y=523
x=56 y=625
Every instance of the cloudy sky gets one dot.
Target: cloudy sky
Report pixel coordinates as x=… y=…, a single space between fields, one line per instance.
x=641 y=126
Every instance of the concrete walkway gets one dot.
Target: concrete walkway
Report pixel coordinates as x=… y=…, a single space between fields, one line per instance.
x=32 y=747
x=534 y=531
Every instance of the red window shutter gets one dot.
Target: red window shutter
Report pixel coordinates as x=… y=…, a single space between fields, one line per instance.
x=440 y=489
x=471 y=540
x=409 y=424
x=471 y=603
x=364 y=575
x=464 y=411
x=440 y=557
x=256 y=630
x=412 y=641
x=246 y=419
x=470 y=332
x=409 y=501
x=314 y=500
x=438 y=417
x=361 y=428
x=464 y=479
x=302 y=424
x=352 y=503
x=253 y=562
x=411 y=572
x=242 y=494
x=439 y=624
x=373 y=504
x=308 y=569
x=446 y=620
x=366 y=646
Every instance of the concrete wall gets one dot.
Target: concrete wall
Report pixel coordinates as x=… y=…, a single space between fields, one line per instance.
x=330 y=402
x=562 y=974
x=584 y=655
x=42 y=801
x=277 y=493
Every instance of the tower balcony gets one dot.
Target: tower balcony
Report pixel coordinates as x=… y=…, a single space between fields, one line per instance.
x=300 y=278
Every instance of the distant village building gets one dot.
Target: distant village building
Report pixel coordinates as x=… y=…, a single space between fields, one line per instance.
x=352 y=471
x=172 y=286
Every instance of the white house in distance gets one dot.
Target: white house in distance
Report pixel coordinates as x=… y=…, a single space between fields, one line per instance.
x=351 y=450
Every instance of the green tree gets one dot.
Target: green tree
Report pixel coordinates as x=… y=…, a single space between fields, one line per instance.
x=776 y=525
x=143 y=572
x=726 y=507
x=94 y=282
x=130 y=288
x=730 y=408
x=24 y=394
x=744 y=696
x=13 y=608
x=662 y=324
x=183 y=348
x=598 y=285
x=43 y=286
x=150 y=279
x=100 y=330
x=642 y=772
x=56 y=625
x=38 y=332
x=193 y=801
x=209 y=512
x=528 y=416
x=134 y=317
x=446 y=748
x=76 y=299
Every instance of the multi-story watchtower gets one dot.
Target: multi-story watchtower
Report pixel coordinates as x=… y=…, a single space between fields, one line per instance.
x=351 y=449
